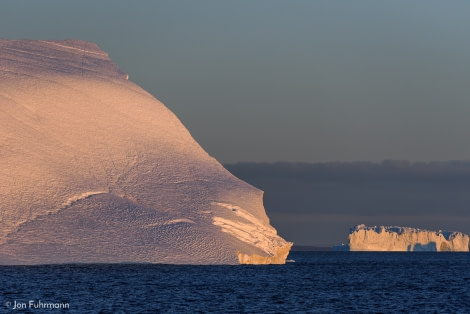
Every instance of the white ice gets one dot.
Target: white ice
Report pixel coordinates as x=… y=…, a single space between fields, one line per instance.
x=95 y=169
x=393 y=238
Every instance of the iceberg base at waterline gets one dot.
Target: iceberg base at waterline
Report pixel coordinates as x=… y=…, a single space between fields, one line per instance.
x=278 y=258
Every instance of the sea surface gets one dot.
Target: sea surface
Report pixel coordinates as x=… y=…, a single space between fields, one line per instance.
x=317 y=282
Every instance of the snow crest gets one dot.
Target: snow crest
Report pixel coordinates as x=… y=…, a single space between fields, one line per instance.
x=82 y=196
x=247 y=228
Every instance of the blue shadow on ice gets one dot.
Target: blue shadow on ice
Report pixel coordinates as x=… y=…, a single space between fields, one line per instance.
x=418 y=247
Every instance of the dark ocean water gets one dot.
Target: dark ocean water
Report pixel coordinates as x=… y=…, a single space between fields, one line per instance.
x=323 y=282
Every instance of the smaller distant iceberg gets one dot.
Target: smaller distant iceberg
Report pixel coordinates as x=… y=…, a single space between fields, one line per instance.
x=404 y=239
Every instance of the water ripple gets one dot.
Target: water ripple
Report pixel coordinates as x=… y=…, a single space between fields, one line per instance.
x=318 y=282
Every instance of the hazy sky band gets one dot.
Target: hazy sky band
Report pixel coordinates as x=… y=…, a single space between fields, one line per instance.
x=286 y=80
x=317 y=203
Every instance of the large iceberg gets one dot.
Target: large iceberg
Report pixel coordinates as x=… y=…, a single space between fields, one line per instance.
x=95 y=169
x=392 y=238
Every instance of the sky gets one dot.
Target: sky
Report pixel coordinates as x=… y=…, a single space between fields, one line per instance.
x=300 y=80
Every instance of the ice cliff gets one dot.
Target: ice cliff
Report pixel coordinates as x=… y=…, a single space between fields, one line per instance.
x=363 y=238
x=95 y=169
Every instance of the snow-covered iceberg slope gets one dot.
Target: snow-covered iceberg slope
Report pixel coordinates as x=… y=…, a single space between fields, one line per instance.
x=363 y=238
x=95 y=169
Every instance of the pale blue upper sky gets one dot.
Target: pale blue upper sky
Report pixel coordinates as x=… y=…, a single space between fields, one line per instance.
x=286 y=80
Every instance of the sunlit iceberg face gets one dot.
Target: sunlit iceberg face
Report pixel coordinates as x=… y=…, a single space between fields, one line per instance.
x=393 y=238
x=95 y=169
